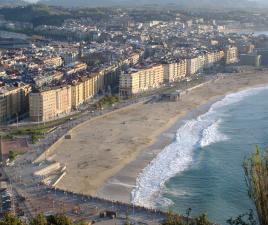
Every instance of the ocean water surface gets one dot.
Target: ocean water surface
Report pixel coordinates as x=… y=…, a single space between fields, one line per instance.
x=202 y=168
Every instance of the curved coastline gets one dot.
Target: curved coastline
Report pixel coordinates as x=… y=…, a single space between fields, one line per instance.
x=195 y=132
x=121 y=185
x=106 y=155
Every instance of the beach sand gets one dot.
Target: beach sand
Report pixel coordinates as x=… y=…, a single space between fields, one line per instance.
x=105 y=155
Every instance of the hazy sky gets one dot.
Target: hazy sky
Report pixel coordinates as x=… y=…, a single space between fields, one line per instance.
x=163 y=0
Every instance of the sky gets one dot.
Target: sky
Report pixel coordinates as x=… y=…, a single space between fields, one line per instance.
x=263 y=1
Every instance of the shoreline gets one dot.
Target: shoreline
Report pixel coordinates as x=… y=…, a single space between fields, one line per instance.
x=106 y=155
x=121 y=186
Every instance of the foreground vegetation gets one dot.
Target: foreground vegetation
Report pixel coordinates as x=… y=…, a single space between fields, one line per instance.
x=256 y=176
x=59 y=219
x=174 y=219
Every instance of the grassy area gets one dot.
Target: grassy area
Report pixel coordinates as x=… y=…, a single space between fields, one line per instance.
x=106 y=102
x=12 y=155
x=36 y=131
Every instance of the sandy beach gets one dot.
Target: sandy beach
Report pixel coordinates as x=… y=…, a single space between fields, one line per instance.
x=105 y=155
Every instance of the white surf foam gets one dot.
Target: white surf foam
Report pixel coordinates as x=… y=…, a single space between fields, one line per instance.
x=212 y=135
x=178 y=156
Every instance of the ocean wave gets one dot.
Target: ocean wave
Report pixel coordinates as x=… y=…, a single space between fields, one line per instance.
x=175 y=192
x=179 y=155
x=212 y=134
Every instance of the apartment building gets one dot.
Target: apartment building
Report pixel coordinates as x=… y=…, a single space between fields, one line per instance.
x=198 y=63
x=193 y=65
x=84 y=89
x=231 y=55
x=213 y=57
x=49 y=104
x=77 y=94
x=14 y=101
x=175 y=71
x=137 y=81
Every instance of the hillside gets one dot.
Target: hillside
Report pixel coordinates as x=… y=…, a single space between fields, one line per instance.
x=12 y=3
x=40 y=14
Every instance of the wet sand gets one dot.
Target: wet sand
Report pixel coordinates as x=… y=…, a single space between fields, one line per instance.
x=105 y=155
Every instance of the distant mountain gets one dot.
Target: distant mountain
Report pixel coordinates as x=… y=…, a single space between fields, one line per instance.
x=12 y=2
x=183 y=3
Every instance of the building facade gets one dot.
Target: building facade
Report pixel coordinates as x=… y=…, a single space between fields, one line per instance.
x=175 y=71
x=49 y=104
x=14 y=102
x=250 y=59
x=137 y=81
x=231 y=55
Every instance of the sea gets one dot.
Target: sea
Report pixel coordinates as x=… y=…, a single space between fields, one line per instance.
x=202 y=168
x=256 y=33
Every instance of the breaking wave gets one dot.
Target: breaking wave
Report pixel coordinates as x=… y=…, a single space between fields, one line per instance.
x=212 y=135
x=179 y=155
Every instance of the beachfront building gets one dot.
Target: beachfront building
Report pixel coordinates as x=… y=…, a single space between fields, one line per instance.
x=195 y=64
x=213 y=57
x=231 y=55
x=174 y=71
x=14 y=101
x=136 y=81
x=83 y=90
x=49 y=104
x=77 y=94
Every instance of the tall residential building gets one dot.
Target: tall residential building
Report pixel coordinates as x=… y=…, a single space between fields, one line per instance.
x=231 y=55
x=174 y=71
x=193 y=65
x=83 y=90
x=14 y=101
x=77 y=94
x=49 y=104
x=213 y=57
x=137 y=81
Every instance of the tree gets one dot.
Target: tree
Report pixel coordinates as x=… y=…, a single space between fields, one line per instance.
x=202 y=219
x=12 y=155
x=173 y=219
x=59 y=219
x=10 y=219
x=39 y=220
x=256 y=176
